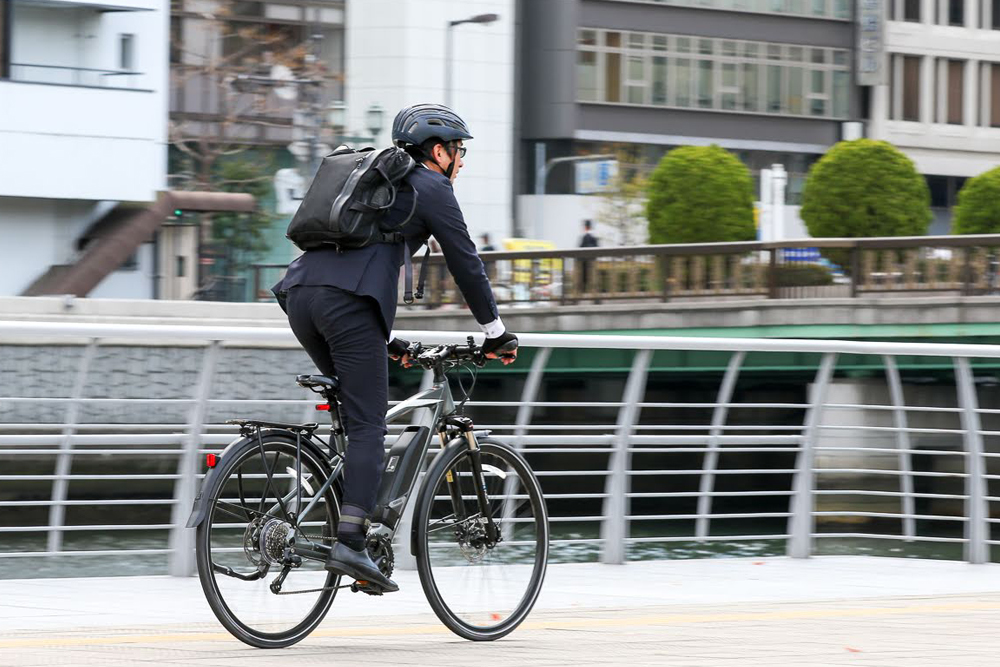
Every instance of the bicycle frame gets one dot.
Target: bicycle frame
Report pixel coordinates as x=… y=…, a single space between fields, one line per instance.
x=450 y=427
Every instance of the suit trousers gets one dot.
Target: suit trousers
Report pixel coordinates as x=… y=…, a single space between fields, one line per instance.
x=343 y=335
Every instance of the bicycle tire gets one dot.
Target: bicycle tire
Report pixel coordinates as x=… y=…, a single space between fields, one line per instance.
x=284 y=442
x=425 y=502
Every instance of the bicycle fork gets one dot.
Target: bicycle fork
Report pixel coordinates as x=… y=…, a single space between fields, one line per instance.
x=478 y=481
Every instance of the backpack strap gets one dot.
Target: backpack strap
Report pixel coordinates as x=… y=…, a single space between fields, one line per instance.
x=408 y=293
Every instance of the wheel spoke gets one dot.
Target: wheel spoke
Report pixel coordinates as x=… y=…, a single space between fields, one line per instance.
x=483 y=592
x=243 y=537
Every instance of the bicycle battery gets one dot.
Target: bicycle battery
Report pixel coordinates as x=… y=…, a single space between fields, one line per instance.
x=402 y=465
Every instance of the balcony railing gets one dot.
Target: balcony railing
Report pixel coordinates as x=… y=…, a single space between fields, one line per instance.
x=807 y=268
x=74 y=76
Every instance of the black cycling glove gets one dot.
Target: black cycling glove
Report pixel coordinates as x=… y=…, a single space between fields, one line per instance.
x=503 y=345
x=397 y=348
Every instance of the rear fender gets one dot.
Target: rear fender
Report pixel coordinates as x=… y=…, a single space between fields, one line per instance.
x=213 y=479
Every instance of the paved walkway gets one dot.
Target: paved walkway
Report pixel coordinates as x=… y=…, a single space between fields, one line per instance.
x=764 y=613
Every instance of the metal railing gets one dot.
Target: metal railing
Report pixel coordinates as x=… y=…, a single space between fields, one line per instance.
x=74 y=76
x=828 y=469
x=804 y=268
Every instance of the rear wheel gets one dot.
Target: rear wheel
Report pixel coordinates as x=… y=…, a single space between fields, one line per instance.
x=481 y=591
x=245 y=534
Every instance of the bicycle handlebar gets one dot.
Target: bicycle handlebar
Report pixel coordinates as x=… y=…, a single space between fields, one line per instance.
x=447 y=355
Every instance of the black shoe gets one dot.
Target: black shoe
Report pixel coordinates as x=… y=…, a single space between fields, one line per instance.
x=358 y=564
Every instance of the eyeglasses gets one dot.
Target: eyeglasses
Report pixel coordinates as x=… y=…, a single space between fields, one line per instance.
x=460 y=149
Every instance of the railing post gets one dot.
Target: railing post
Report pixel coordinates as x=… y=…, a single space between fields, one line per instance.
x=977 y=550
x=614 y=527
x=719 y=415
x=665 y=276
x=855 y=268
x=182 y=538
x=903 y=444
x=772 y=274
x=800 y=523
x=967 y=273
x=528 y=396
x=64 y=463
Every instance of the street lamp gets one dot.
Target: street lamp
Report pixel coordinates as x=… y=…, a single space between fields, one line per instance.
x=374 y=117
x=336 y=115
x=448 y=48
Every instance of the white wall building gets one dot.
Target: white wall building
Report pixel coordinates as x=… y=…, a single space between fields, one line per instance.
x=395 y=56
x=83 y=109
x=940 y=102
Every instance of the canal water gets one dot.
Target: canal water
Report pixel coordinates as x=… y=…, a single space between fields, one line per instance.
x=155 y=564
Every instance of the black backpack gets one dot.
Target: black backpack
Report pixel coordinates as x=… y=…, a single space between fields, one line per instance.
x=346 y=204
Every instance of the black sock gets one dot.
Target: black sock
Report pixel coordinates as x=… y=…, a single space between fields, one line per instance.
x=353 y=540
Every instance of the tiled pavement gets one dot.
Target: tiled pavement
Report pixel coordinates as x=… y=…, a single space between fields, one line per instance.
x=765 y=613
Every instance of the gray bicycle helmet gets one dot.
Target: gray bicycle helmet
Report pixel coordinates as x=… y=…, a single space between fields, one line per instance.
x=416 y=124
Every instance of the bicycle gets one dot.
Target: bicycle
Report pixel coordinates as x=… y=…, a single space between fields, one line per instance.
x=271 y=499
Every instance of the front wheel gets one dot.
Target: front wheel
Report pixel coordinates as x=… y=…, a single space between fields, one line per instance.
x=481 y=589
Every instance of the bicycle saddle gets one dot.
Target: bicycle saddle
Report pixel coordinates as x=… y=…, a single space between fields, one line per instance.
x=310 y=381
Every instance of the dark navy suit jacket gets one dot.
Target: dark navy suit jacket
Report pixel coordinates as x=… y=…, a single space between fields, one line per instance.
x=374 y=270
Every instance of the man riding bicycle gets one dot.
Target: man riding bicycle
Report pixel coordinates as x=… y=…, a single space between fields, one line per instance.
x=341 y=305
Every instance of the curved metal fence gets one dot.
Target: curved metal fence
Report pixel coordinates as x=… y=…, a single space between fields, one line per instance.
x=119 y=417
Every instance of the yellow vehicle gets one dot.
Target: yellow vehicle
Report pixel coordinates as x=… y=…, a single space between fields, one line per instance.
x=544 y=271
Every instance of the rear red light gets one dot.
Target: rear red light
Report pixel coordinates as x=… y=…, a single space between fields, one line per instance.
x=211 y=460
x=323 y=407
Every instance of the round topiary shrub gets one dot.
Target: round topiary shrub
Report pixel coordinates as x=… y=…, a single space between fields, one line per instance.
x=978 y=207
x=865 y=188
x=700 y=194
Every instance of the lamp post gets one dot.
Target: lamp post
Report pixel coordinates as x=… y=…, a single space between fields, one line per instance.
x=373 y=118
x=336 y=115
x=448 y=48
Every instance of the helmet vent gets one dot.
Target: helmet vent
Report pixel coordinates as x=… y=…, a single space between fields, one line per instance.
x=434 y=121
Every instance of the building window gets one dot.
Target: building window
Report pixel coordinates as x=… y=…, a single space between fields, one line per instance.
x=839 y=9
x=956 y=79
x=682 y=76
x=4 y=39
x=995 y=95
x=911 y=88
x=636 y=86
x=706 y=87
x=720 y=74
x=126 y=52
x=911 y=11
x=750 y=87
x=956 y=12
x=659 y=80
x=181 y=266
x=995 y=14
x=586 y=76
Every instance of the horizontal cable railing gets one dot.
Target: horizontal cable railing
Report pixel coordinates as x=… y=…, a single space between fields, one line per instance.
x=646 y=476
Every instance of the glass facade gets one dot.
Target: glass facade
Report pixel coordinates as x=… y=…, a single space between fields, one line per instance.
x=651 y=69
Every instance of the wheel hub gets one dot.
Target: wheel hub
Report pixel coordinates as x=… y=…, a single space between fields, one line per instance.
x=264 y=541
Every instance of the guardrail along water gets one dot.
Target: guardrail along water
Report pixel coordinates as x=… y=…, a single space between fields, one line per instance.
x=647 y=447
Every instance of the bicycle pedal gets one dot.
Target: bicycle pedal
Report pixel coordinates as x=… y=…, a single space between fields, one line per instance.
x=366 y=587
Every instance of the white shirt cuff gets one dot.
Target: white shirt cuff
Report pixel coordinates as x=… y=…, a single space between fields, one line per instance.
x=494 y=329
